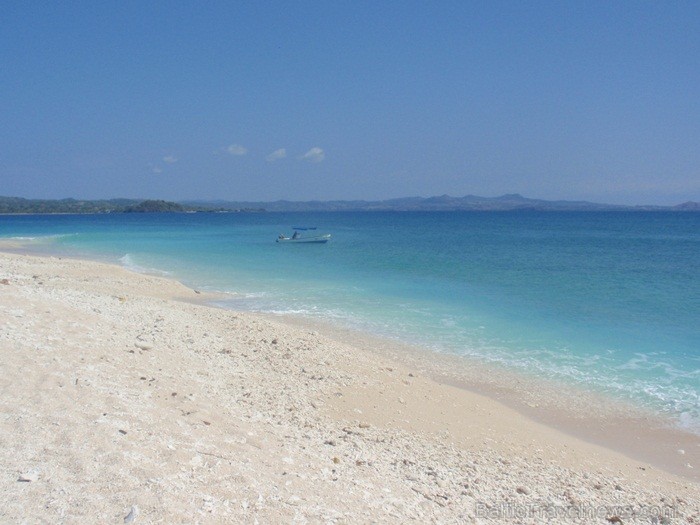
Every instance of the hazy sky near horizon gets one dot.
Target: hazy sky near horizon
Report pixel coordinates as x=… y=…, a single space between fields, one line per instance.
x=593 y=100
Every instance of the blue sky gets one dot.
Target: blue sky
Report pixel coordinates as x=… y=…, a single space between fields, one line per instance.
x=351 y=100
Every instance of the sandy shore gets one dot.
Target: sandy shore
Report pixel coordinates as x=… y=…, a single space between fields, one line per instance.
x=122 y=399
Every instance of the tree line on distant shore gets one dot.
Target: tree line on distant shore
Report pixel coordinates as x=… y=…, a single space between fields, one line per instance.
x=18 y=205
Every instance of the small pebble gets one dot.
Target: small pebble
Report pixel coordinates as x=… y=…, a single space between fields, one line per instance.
x=29 y=476
x=129 y=518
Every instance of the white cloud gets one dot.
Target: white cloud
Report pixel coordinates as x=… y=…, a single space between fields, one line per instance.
x=157 y=169
x=170 y=159
x=276 y=155
x=237 y=149
x=315 y=154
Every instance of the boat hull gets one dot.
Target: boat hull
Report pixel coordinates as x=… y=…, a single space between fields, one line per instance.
x=320 y=239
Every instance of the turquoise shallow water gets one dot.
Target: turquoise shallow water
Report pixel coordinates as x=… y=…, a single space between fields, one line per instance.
x=606 y=300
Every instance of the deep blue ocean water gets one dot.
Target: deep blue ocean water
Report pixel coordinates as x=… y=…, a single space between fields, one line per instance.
x=608 y=300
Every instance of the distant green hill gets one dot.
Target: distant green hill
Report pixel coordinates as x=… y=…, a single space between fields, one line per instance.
x=156 y=206
x=19 y=205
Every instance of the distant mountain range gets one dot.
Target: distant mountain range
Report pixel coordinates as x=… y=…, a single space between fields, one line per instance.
x=507 y=202
x=511 y=201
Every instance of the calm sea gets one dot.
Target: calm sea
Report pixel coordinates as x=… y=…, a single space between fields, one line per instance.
x=606 y=300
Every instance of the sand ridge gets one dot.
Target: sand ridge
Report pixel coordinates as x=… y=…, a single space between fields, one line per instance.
x=122 y=398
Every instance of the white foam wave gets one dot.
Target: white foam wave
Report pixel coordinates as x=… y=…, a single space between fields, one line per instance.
x=41 y=238
x=127 y=261
x=662 y=391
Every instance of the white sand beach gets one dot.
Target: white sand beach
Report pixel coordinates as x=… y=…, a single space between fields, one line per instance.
x=125 y=398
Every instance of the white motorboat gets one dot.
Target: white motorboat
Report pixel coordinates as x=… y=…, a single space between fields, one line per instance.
x=296 y=238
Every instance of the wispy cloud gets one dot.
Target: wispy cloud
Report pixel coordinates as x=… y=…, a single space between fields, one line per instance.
x=170 y=159
x=276 y=155
x=156 y=169
x=237 y=149
x=315 y=154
